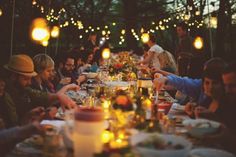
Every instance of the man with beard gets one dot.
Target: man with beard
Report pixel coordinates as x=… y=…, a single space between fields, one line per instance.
x=67 y=73
x=227 y=135
x=20 y=70
x=229 y=80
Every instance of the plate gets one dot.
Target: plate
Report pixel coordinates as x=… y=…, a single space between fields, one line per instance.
x=200 y=127
x=118 y=84
x=209 y=152
x=152 y=152
x=30 y=146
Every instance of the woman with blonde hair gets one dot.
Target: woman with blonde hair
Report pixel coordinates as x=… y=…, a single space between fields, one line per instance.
x=167 y=62
x=44 y=66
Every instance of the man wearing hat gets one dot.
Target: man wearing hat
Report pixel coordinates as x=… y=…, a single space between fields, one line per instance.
x=24 y=98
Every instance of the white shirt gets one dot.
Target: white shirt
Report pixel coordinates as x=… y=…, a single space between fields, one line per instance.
x=156 y=49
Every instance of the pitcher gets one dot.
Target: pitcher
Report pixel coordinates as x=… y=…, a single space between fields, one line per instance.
x=87 y=130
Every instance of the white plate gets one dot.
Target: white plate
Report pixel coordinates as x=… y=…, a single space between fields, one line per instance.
x=209 y=152
x=148 y=152
x=117 y=84
x=201 y=127
x=30 y=146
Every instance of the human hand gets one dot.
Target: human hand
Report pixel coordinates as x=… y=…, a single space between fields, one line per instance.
x=65 y=81
x=155 y=70
x=200 y=110
x=157 y=75
x=189 y=108
x=66 y=102
x=68 y=87
x=80 y=79
x=36 y=114
x=51 y=112
x=159 y=83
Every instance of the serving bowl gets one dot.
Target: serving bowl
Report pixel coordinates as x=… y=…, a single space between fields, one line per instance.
x=90 y=75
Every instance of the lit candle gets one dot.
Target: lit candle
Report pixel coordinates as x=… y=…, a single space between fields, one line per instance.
x=107 y=136
x=106 y=104
x=118 y=143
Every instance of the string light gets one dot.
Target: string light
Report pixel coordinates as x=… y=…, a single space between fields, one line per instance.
x=103 y=32
x=1 y=12
x=123 y=31
x=162 y=24
x=34 y=2
x=106 y=53
x=213 y=21
x=55 y=32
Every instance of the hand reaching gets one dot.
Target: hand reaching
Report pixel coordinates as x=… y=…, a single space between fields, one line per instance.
x=159 y=83
x=66 y=102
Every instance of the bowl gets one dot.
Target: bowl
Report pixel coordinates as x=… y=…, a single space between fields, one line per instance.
x=200 y=127
x=153 y=152
x=91 y=75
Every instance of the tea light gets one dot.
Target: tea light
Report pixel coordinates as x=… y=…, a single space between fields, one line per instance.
x=106 y=104
x=118 y=143
x=121 y=135
x=107 y=136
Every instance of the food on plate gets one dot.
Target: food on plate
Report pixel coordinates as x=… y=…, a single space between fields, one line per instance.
x=200 y=127
x=155 y=142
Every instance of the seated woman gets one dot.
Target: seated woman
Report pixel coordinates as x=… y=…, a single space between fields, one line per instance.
x=44 y=66
x=198 y=89
x=167 y=62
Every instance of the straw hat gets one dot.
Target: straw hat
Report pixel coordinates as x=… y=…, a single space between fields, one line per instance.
x=21 y=64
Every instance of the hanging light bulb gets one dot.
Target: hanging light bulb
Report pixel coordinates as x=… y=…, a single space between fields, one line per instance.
x=106 y=53
x=39 y=30
x=213 y=21
x=1 y=12
x=186 y=17
x=40 y=34
x=55 y=32
x=145 y=37
x=198 y=43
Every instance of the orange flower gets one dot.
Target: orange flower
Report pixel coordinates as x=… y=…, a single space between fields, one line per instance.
x=122 y=100
x=118 y=65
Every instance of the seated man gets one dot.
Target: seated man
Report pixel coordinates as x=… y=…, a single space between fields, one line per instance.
x=21 y=96
x=227 y=135
x=67 y=73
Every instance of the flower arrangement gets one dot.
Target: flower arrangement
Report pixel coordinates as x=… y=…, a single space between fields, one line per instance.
x=123 y=63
